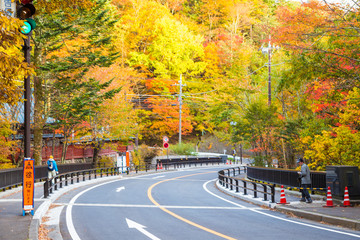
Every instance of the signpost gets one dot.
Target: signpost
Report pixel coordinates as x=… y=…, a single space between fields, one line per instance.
x=166 y=145
x=28 y=186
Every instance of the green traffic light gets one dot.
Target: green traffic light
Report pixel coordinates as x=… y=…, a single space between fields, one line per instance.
x=28 y=26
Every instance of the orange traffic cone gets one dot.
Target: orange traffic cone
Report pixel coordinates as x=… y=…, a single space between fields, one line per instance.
x=329 y=201
x=346 y=198
x=282 y=196
x=160 y=165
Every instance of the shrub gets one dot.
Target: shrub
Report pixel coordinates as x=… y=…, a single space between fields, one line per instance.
x=182 y=149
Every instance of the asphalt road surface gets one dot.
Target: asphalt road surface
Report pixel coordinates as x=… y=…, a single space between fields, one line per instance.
x=177 y=205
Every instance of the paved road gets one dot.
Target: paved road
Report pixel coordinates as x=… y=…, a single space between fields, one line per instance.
x=175 y=205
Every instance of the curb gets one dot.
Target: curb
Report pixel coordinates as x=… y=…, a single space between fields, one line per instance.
x=337 y=221
x=343 y=222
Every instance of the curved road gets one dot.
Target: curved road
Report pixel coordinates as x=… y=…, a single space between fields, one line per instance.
x=177 y=205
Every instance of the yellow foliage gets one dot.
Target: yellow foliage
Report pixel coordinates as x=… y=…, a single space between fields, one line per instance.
x=340 y=147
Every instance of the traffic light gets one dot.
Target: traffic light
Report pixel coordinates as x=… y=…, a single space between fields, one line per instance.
x=25 y=11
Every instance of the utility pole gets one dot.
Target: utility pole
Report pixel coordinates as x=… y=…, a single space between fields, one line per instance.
x=268 y=50
x=269 y=83
x=180 y=106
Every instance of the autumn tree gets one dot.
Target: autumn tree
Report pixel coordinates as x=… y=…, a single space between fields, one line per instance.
x=80 y=43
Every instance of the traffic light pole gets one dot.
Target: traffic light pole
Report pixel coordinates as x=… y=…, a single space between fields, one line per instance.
x=27 y=101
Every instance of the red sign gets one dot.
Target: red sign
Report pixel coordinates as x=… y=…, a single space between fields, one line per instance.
x=166 y=145
x=28 y=185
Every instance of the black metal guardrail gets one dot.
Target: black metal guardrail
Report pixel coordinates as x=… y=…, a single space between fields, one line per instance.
x=286 y=177
x=61 y=180
x=227 y=178
x=13 y=177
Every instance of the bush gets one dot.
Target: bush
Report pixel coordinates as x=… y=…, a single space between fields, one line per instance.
x=182 y=149
x=106 y=161
x=147 y=153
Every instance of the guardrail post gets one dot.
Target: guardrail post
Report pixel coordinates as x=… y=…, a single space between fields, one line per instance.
x=66 y=179
x=55 y=183
x=273 y=193
x=90 y=175
x=265 y=192
x=237 y=185
x=101 y=172
x=61 y=180
x=72 y=178
x=255 y=190
x=231 y=183
x=78 y=177
x=84 y=173
x=245 y=190
x=46 y=188
x=227 y=182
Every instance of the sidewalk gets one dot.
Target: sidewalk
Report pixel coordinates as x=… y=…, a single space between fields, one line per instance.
x=348 y=217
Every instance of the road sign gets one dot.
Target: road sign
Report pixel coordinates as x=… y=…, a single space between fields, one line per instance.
x=166 y=145
x=165 y=139
x=28 y=186
x=9 y=7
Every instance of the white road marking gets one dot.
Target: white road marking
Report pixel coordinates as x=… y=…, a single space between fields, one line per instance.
x=69 y=221
x=155 y=206
x=205 y=188
x=120 y=188
x=141 y=229
x=158 y=177
x=280 y=218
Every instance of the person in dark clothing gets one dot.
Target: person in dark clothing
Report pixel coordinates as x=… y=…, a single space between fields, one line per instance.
x=304 y=174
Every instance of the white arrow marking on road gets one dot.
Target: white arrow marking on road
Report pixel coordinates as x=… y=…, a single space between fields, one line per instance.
x=141 y=229
x=120 y=188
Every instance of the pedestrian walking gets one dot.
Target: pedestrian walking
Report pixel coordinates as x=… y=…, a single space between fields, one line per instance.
x=52 y=168
x=305 y=179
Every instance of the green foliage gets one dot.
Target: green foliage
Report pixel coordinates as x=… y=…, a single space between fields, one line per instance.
x=182 y=149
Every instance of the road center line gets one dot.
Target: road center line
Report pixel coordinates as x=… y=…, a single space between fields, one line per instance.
x=179 y=217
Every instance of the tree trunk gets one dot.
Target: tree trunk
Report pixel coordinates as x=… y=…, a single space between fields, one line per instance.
x=64 y=149
x=97 y=148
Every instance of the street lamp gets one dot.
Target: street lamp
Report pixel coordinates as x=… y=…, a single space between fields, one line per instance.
x=267 y=50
